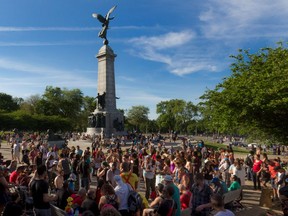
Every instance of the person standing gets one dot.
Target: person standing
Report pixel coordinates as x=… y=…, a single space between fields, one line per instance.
x=122 y=191
x=16 y=152
x=129 y=177
x=64 y=164
x=113 y=171
x=249 y=160
x=256 y=171
x=39 y=189
x=84 y=170
x=149 y=174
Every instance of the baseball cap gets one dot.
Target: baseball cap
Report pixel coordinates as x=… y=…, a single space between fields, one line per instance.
x=168 y=178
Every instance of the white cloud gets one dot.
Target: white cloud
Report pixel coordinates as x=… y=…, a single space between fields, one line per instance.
x=174 y=49
x=31 y=28
x=244 y=19
x=169 y=40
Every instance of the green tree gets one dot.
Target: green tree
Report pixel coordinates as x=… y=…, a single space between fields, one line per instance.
x=30 y=103
x=138 y=115
x=175 y=114
x=65 y=103
x=8 y=103
x=254 y=99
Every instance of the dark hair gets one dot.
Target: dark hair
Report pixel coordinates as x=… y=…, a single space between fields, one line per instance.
x=125 y=167
x=160 y=187
x=41 y=170
x=107 y=189
x=169 y=190
x=199 y=176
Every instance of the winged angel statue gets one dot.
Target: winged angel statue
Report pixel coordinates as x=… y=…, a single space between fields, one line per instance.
x=105 y=23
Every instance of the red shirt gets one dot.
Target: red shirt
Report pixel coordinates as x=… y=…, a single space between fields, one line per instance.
x=13 y=176
x=257 y=166
x=185 y=199
x=77 y=199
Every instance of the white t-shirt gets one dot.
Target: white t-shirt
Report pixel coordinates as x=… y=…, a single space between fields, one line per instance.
x=226 y=212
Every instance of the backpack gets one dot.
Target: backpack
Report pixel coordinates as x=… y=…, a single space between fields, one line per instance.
x=65 y=166
x=248 y=161
x=171 y=209
x=134 y=201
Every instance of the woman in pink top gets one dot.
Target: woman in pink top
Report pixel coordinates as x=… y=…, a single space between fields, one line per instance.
x=256 y=171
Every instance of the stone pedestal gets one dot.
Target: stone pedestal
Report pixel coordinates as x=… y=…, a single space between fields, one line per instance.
x=108 y=118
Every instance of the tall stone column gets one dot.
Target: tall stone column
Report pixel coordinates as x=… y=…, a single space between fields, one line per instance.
x=106 y=77
x=107 y=117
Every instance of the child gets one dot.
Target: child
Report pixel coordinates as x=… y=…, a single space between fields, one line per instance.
x=71 y=182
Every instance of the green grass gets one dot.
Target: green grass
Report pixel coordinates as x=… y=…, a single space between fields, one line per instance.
x=217 y=146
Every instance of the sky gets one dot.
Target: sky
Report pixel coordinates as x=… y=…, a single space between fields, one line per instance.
x=166 y=49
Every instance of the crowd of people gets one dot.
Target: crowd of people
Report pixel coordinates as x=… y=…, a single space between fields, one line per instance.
x=191 y=179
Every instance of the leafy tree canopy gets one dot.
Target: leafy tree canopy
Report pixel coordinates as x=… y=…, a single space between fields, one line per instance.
x=8 y=103
x=137 y=115
x=254 y=99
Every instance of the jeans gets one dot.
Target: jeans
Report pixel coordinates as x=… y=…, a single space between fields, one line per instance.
x=85 y=183
x=42 y=212
x=249 y=173
x=256 y=180
x=150 y=183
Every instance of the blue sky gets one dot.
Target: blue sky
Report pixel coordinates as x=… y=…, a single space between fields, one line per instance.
x=165 y=49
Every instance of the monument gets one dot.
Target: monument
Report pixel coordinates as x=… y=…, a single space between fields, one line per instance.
x=106 y=119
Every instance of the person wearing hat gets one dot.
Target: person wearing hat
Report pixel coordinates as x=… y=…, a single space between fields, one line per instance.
x=71 y=182
x=217 y=187
x=168 y=181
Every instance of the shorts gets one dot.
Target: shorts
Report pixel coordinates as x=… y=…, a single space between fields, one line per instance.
x=272 y=182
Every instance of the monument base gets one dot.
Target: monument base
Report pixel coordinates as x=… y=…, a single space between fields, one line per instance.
x=92 y=130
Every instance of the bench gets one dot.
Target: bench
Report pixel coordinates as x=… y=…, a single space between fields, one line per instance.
x=232 y=199
x=231 y=196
